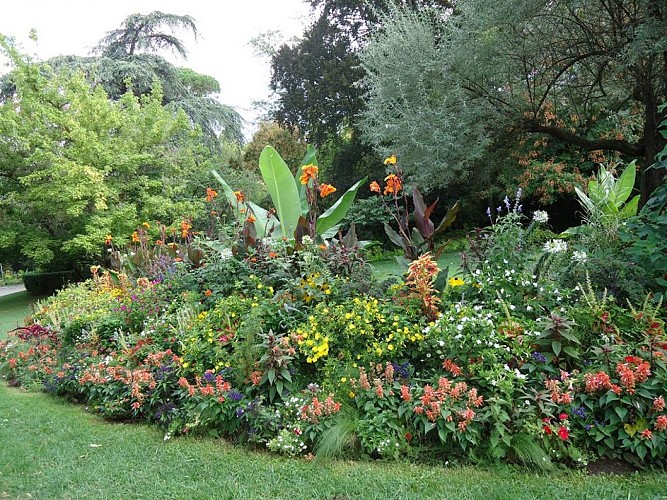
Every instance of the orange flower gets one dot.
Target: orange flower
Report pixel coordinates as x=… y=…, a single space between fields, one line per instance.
x=208 y=293
x=393 y=184
x=107 y=239
x=211 y=194
x=240 y=197
x=309 y=172
x=375 y=187
x=391 y=160
x=326 y=190
x=135 y=237
x=159 y=242
x=185 y=228
x=273 y=255
x=250 y=219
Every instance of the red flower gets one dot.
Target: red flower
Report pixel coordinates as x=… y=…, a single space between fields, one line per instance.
x=548 y=430
x=646 y=434
x=562 y=416
x=661 y=423
x=408 y=437
x=563 y=433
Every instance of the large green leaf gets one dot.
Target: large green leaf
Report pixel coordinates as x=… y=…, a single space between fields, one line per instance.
x=339 y=209
x=264 y=224
x=282 y=187
x=625 y=184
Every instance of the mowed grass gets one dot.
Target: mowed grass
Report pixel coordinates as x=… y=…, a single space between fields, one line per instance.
x=13 y=309
x=51 y=449
x=387 y=268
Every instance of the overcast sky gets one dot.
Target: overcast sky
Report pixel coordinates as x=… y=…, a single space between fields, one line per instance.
x=222 y=49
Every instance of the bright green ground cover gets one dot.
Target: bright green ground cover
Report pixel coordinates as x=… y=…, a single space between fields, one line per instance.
x=52 y=449
x=13 y=308
x=390 y=267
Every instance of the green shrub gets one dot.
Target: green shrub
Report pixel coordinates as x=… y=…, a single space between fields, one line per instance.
x=38 y=283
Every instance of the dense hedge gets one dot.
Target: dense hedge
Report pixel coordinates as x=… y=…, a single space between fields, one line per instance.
x=38 y=283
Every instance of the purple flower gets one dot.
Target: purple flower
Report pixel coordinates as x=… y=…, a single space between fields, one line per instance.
x=539 y=357
x=579 y=412
x=209 y=377
x=507 y=203
x=499 y=209
x=488 y=212
x=235 y=396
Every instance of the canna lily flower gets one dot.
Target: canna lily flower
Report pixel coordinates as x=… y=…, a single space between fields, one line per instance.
x=210 y=194
x=185 y=228
x=240 y=197
x=326 y=190
x=393 y=184
x=108 y=239
x=250 y=219
x=391 y=160
x=375 y=187
x=309 y=172
x=135 y=237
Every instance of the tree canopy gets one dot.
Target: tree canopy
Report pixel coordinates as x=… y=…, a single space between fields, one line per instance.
x=588 y=74
x=76 y=166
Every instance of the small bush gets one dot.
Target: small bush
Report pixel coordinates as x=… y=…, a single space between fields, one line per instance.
x=38 y=283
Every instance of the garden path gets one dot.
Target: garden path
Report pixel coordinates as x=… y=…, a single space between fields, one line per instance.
x=8 y=290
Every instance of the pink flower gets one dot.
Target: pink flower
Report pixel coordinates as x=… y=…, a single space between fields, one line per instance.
x=562 y=416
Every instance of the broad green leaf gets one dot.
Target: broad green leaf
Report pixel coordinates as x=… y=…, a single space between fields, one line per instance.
x=282 y=188
x=556 y=347
x=339 y=209
x=585 y=200
x=621 y=412
x=625 y=184
x=264 y=223
x=630 y=208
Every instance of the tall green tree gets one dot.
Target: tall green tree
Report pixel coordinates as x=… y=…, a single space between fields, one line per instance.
x=76 y=166
x=589 y=74
x=128 y=59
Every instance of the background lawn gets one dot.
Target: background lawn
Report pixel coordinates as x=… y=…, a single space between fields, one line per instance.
x=13 y=309
x=386 y=268
x=52 y=449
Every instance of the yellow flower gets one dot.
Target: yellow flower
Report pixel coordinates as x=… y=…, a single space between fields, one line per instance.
x=107 y=239
x=343 y=380
x=351 y=394
x=456 y=281
x=391 y=160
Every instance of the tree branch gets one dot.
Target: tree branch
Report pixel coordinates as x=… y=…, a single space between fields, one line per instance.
x=625 y=147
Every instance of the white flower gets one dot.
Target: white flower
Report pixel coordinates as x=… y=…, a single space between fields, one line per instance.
x=555 y=246
x=540 y=216
x=579 y=257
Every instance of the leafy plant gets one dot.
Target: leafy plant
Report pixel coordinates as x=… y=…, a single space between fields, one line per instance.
x=416 y=233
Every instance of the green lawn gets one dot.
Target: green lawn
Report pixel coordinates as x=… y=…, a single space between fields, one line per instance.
x=13 y=308
x=51 y=449
x=390 y=267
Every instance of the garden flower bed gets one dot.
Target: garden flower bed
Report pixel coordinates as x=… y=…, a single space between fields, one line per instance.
x=295 y=347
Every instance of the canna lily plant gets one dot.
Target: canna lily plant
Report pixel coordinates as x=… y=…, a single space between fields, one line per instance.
x=295 y=200
x=416 y=232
